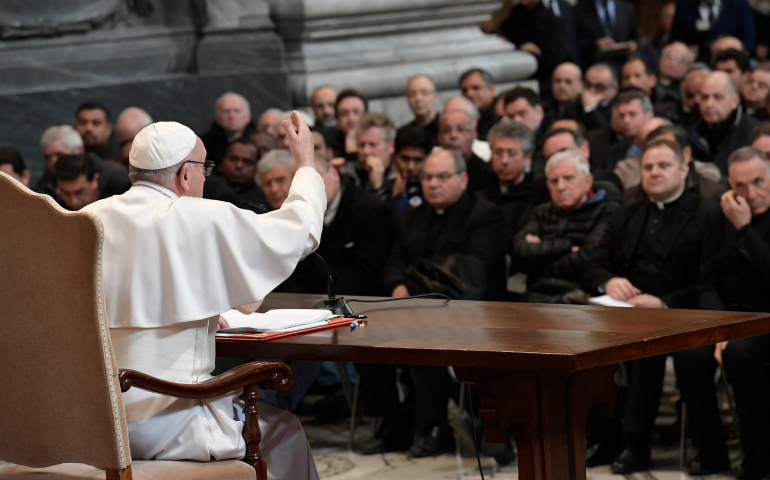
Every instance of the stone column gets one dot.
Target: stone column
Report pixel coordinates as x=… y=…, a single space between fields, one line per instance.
x=375 y=46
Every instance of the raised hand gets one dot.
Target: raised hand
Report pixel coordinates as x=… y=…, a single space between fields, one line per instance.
x=300 y=140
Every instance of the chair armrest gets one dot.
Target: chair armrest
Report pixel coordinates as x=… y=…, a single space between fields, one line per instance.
x=268 y=375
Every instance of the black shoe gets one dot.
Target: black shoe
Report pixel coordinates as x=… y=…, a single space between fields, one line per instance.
x=630 y=462
x=392 y=436
x=705 y=465
x=602 y=453
x=433 y=441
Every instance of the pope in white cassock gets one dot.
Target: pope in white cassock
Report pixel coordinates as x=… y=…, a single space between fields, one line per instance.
x=172 y=262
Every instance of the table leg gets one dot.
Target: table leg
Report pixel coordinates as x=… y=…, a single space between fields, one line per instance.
x=546 y=411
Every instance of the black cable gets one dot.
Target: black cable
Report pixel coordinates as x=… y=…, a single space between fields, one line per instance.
x=425 y=295
x=473 y=427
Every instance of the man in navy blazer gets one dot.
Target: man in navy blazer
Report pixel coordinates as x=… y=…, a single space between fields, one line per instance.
x=700 y=22
x=603 y=22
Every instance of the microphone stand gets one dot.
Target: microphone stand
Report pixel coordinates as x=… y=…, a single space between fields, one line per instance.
x=338 y=306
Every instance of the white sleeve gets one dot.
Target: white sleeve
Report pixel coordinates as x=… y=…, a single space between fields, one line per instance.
x=308 y=192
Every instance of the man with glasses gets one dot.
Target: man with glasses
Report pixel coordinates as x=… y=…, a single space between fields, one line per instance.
x=172 y=262
x=594 y=106
x=674 y=64
x=423 y=99
x=457 y=131
x=452 y=227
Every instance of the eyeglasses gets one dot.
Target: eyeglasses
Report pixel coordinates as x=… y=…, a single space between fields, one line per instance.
x=597 y=87
x=441 y=177
x=208 y=167
x=674 y=56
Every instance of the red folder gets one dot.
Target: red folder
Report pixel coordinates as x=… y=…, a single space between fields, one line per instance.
x=267 y=336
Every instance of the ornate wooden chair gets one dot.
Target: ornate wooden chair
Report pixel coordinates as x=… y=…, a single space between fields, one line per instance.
x=60 y=401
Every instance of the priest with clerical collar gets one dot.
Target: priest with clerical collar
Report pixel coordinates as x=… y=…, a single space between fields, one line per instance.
x=172 y=263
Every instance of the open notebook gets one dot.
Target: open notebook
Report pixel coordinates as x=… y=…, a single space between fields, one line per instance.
x=285 y=320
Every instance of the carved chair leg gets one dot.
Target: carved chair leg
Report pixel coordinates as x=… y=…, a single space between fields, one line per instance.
x=251 y=432
x=124 y=474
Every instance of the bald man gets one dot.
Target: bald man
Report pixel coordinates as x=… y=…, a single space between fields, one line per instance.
x=723 y=127
x=130 y=122
x=567 y=85
x=423 y=101
x=232 y=120
x=322 y=102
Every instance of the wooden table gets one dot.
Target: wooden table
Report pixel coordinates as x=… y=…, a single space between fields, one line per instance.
x=538 y=369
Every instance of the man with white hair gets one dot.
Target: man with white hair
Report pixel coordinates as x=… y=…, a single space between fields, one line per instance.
x=554 y=246
x=274 y=176
x=130 y=122
x=172 y=263
x=57 y=140
x=232 y=120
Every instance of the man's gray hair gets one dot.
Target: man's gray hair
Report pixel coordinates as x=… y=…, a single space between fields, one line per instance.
x=460 y=165
x=374 y=119
x=580 y=162
x=273 y=158
x=241 y=97
x=67 y=135
x=161 y=176
x=515 y=130
x=745 y=154
x=690 y=56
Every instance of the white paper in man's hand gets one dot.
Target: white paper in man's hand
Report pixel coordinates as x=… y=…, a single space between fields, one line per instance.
x=607 y=301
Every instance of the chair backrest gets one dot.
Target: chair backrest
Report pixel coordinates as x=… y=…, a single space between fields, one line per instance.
x=60 y=400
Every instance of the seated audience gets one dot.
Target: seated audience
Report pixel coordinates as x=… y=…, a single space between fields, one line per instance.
x=12 y=163
x=130 y=122
x=232 y=120
x=239 y=170
x=93 y=121
x=594 y=107
x=637 y=74
x=554 y=246
x=723 y=127
x=85 y=178
x=674 y=64
x=453 y=231
x=423 y=99
x=322 y=102
x=512 y=186
x=411 y=147
x=275 y=172
x=457 y=131
x=566 y=86
x=373 y=168
x=650 y=256
x=561 y=139
x=738 y=283
x=734 y=63
x=57 y=140
x=267 y=121
x=755 y=93
x=349 y=109
x=478 y=86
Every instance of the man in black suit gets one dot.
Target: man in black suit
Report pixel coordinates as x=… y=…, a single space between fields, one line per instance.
x=699 y=22
x=452 y=226
x=535 y=29
x=349 y=107
x=601 y=23
x=633 y=109
x=478 y=86
x=594 y=106
x=232 y=120
x=723 y=127
x=457 y=131
x=637 y=74
x=239 y=170
x=651 y=256
x=85 y=178
x=740 y=281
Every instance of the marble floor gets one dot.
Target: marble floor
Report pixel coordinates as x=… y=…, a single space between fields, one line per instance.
x=335 y=461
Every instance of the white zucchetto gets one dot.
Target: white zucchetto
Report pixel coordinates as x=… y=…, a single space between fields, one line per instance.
x=161 y=145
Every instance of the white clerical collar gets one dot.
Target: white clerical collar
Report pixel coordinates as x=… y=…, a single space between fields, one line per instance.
x=150 y=186
x=331 y=210
x=662 y=205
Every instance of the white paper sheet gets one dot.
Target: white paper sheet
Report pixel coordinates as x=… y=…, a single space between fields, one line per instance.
x=276 y=320
x=607 y=301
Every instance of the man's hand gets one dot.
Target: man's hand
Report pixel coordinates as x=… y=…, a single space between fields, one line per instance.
x=575 y=248
x=621 y=289
x=530 y=47
x=399 y=185
x=222 y=323
x=300 y=140
x=376 y=171
x=590 y=100
x=532 y=238
x=487 y=26
x=400 y=292
x=736 y=209
x=718 y=349
x=630 y=49
x=604 y=41
x=351 y=141
x=646 y=301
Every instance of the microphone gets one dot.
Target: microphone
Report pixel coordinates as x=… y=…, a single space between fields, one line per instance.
x=338 y=306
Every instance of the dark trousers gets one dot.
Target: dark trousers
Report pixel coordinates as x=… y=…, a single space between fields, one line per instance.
x=695 y=369
x=645 y=384
x=431 y=394
x=745 y=362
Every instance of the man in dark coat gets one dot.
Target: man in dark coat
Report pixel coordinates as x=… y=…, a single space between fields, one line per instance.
x=651 y=256
x=457 y=131
x=739 y=281
x=594 y=106
x=452 y=227
x=554 y=246
x=239 y=170
x=85 y=178
x=723 y=126
x=601 y=23
x=232 y=120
